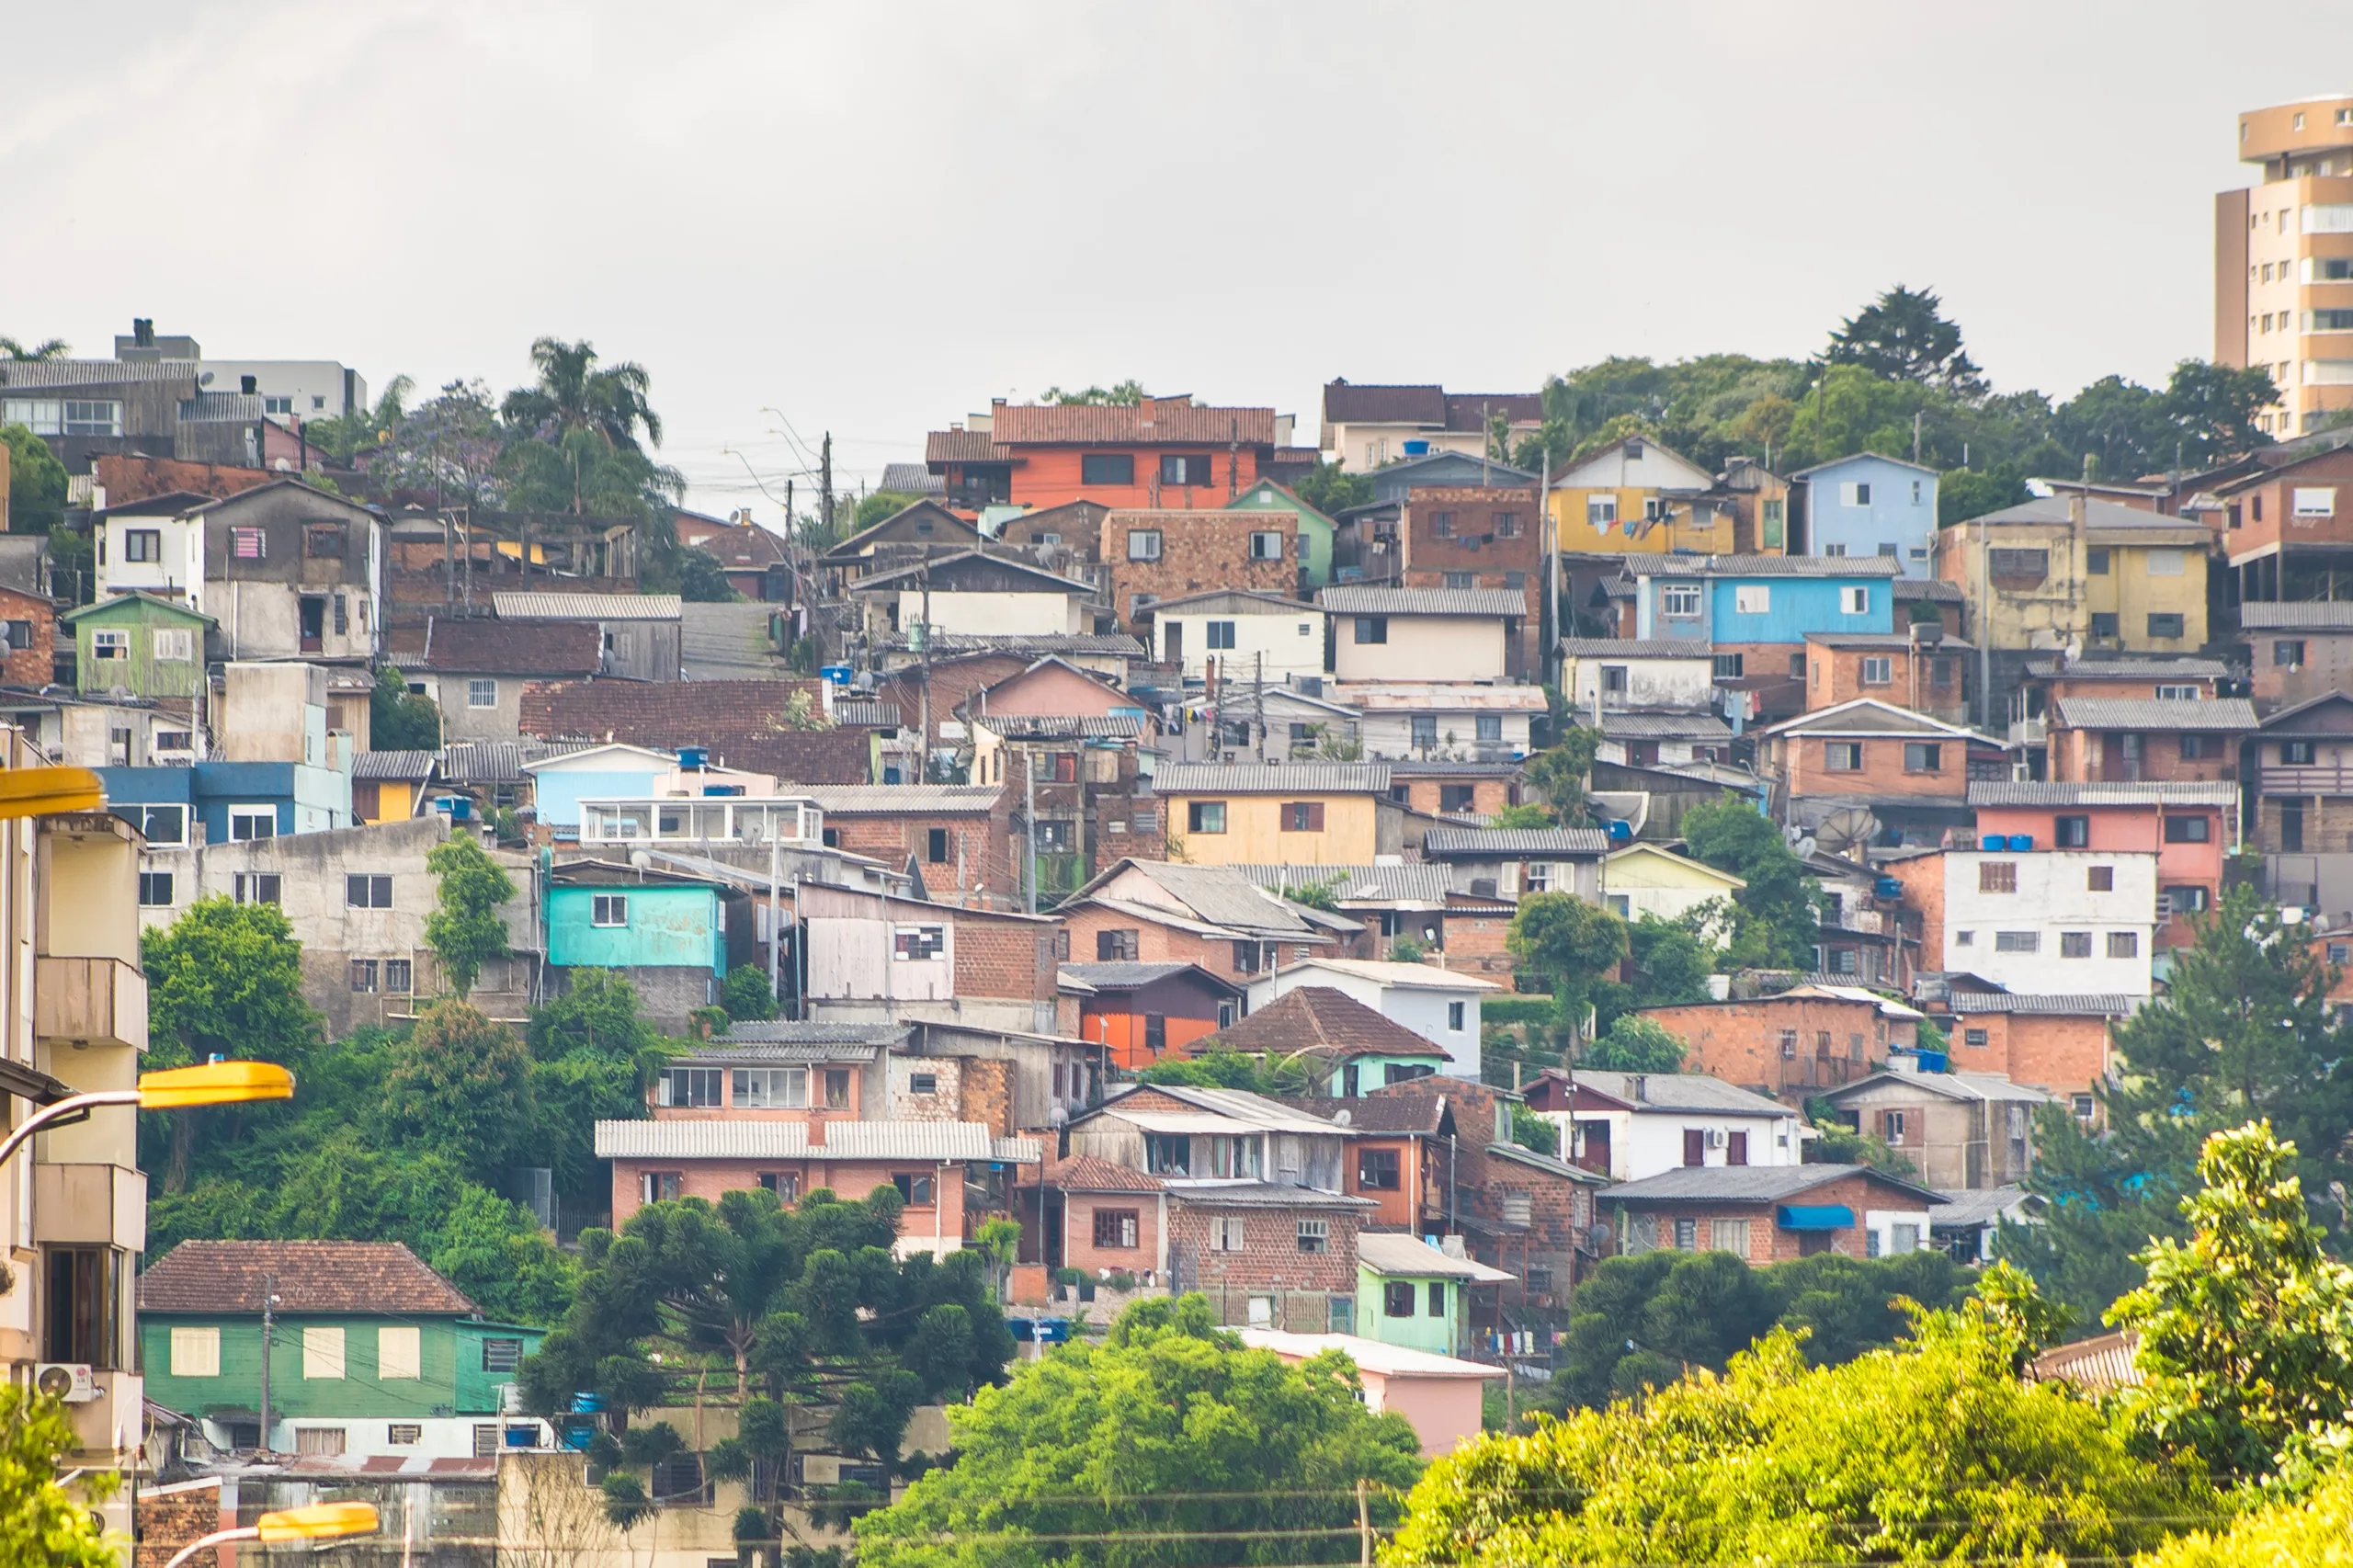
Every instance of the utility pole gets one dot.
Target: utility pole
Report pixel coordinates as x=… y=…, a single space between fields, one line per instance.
x=1916 y=434
x=923 y=763
x=1030 y=828
x=1233 y=458
x=826 y=478
x=775 y=912
x=1552 y=573
x=269 y=1317
x=1486 y=447
x=1258 y=697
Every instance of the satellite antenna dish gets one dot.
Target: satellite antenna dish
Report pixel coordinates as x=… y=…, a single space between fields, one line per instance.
x=1806 y=848
x=1845 y=828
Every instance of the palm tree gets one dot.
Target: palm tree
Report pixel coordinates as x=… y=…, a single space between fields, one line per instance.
x=54 y=348
x=575 y=393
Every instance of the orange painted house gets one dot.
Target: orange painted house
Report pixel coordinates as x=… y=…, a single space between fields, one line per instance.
x=1164 y=451
x=1141 y=1012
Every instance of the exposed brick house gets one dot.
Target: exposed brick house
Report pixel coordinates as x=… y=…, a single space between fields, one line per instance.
x=31 y=622
x=1936 y=677
x=1454 y=789
x=1791 y=1045
x=2062 y=1045
x=956 y=834
x=1765 y=1214
x=1474 y=537
x=1149 y=555
x=2299 y=651
x=1909 y=771
x=748 y=555
x=743 y=724
x=2122 y=740
x=871 y=957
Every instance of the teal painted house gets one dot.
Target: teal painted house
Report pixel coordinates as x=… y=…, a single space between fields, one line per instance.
x=1411 y=1294
x=148 y=646
x=1351 y=1048
x=1315 y=527
x=369 y=1351
x=670 y=935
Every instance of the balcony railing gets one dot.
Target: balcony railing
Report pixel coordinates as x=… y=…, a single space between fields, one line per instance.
x=2029 y=731
x=2310 y=779
x=94 y=1001
x=701 y=819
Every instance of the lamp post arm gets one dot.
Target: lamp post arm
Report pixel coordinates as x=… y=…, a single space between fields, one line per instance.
x=217 y=1538
x=70 y=1105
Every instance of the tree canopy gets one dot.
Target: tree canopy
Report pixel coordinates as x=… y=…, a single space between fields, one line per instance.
x=465 y=931
x=41 y=1523
x=1167 y=1444
x=1775 y=922
x=37 y=482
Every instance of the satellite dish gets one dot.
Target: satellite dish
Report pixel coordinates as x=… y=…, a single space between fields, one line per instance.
x=1845 y=828
x=1806 y=848
x=1344 y=1118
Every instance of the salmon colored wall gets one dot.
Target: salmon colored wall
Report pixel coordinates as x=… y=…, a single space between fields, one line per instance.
x=849 y=1180
x=1124 y=1032
x=1049 y=476
x=1054 y=689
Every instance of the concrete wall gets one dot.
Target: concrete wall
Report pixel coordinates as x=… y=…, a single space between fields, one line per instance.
x=1422 y=648
x=2052 y=898
x=994 y=614
x=1257 y=834
x=1268 y=644
x=669 y=926
x=1683 y=683
x=1423 y=1009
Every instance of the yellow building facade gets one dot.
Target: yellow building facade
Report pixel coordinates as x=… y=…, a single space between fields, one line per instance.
x=1291 y=815
x=2067 y=570
x=1638 y=498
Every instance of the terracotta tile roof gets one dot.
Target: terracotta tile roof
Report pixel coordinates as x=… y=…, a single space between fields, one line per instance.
x=486 y=647
x=739 y=721
x=1318 y=1018
x=963 y=447
x=743 y=545
x=371 y=1278
x=1086 y=1172
x=1166 y=423
x=1372 y=1116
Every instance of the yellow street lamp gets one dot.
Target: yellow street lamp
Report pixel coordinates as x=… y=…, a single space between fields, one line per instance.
x=174 y=1088
x=39 y=792
x=318 y=1521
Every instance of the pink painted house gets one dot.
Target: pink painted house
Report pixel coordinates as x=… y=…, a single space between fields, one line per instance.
x=1441 y=1397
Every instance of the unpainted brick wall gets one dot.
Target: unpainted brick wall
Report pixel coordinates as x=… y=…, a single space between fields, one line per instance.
x=1740 y=1041
x=1270 y=1257
x=1003 y=958
x=1198 y=551
x=166 y=1521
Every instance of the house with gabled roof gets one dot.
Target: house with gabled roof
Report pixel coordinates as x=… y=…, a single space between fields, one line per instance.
x=1160 y=910
x=1868 y=505
x=1910 y=771
x=1637 y=496
x=1765 y=1214
x=1651 y=880
x=1425 y=635
x=475 y=668
x=1159 y=452
x=2304 y=806
x=1960 y=1131
x=1247 y=636
x=1632 y=1126
x=1302 y=813
x=2131 y=741
x=147 y=645
x=1923 y=670
x=922 y=529
x=1142 y=1012
x=1440 y=1005
x=972 y=591
x=1348 y=1047
x=1512 y=862
x=2298 y=651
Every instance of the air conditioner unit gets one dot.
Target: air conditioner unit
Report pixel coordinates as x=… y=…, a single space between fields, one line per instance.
x=1715 y=1137
x=69 y=1380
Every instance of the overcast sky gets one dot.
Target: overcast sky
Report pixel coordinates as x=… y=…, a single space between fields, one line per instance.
x=873 y=217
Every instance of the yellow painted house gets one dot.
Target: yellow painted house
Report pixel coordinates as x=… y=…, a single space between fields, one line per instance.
x=1638 y=498
x=1643 y=879
x=1300 y=814
x=2066 y=569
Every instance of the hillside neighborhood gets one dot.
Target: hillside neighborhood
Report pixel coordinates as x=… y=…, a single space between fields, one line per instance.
x=1504 y=885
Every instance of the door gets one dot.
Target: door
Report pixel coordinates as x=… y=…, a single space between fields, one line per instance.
x=1172 y=643
x=314 y=624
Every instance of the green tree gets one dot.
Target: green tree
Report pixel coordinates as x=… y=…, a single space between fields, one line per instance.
x=2246 y=1033
x=582 y=472
x=597 y=1056
x=1531 y=1130
x=36 y=483
x=23 y=353
x=460 y=1084
x=1329 y=488
x=447 y=451
x=1836 y=1143
x=748 y=994
x=877 y=504
x=2311 y=1530
x=1932 y=1450
x=574 y=392
x=465 y=931
x=1671 y=960
x=398 y=719
x=1905 y=336
x=1563 y=771
x=1572 y=943
x=1119 y=394
x=2247 y=1328
x=2213 y=409
x=1634 y=1044
x=348 y=436
x=224 y=980
x=702 y=580
x=1523 y=815
x=1169 y=1429
x=42 y=1525
x=1775 y=921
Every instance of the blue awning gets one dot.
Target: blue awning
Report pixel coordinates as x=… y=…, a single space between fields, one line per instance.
x=1817 y=1217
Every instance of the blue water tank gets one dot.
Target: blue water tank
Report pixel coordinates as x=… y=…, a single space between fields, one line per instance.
x=694 y=758
x=1888 y=887
x=461 y=807
x=1995 y=842
x=1417 y=449
x=2021 y=841
x=1622 y=832
x=1934 y=1061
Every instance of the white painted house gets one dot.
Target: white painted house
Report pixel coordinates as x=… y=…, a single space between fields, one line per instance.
x=2053 y=922
x=1604 y=673
x=1422 y=634
x=1632 y=1126
x=1435 y=721
x=1433 y=1003
x=1248 y=636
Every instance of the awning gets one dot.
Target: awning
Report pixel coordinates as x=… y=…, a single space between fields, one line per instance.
x=1816 y=1217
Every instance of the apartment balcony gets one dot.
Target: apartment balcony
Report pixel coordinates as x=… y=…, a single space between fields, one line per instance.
x=88 y=1204
x=90 y=1001
x=2029 y=731
x=2320 y=778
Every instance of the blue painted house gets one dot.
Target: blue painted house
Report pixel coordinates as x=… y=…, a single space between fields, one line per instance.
x=1871 y=505
x=231 y=801
x=600 y=773
x=1756 y=611
x=670 y=935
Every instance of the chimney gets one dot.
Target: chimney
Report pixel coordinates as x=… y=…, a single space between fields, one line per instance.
x=142 y=332
x=1641 y=1086
x=816 y=1135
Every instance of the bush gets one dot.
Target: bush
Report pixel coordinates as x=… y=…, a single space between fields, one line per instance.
x=746 y=994
x=1541 y=1010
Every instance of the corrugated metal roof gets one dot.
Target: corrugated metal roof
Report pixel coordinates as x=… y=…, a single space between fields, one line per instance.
x=1680 y=1092
x=867 y=715
x=1385 y=1253
x=1515 y=842
x=1979 y=1206
x=1635 y=648
x=723 y=1052
x=2146 y=713
x=1272 y=779
x=1935 y=590
x=1119 y=976
x=854 y=799
x=1239 y=1105
x=1221 y=896
x=2319 y=614
x=714 y=1139
x=499 y=762
x=1422 y=601
x=1947 y=1086
x=220 y=408
x=1052 y=726
x=795 y=1031
x=1381 y=971
x=1364 y=884
x=1751 y=1184
x=1677 y=726
x=2113 y=1004
x=2103 y=794
x=93 y=372
x=2101 y=515
x=1764 y=566
x=585 y=607
x=911 y=479
x=1027 y=642
x=1261 y=1195
x=408 y=767
x=2127 y=669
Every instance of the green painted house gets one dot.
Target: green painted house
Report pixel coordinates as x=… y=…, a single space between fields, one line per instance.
x=1315 y=527
x=146 y=645
x=1411 y=1294
x=370 y=1352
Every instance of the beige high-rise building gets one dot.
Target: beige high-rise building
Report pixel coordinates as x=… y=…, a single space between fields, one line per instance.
x=2283 y=260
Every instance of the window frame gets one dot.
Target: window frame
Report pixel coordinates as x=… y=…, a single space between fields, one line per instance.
x=366 y=890
x=608 y=911
x=1106 y=468
x=1145 y=544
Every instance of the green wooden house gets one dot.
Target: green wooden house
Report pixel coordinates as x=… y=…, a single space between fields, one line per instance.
x=1315 y=527
x=369 y=1351
x=145 y=645
x=1409 y=1293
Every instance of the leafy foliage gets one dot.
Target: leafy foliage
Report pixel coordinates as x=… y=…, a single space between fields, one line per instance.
x=346 y=436
x=1328 y=488
x=1902 y=336
x=748 y=994
x=36 y=483
x=1119 y=394
x=1148 y=1429
x=1670 y=962
x=574 y=392
x=1573 y=943
x=1634 y=1044
x=465 y=931
x=2312 y=1530
x=398 y=719
x=40 y=1524
x=702 y=579
x=1523 y=815
x=1561 y=773
x=1775 y=922
x=1218 y=1069
x=1531 y=1130
x=1836 y=1143
x=460 y=1087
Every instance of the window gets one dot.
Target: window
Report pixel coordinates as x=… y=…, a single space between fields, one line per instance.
x=322 y=541
x=1106 y=468
x=2165 y=625
x=363 y=975
x=1891 y=1126
x=1438 y=1298
x=1613 y=678
x=1461 y=580
x=771 y=1086
x=1487 y=726
x=1143 y=544
x=1924 y=756
x=660 y=1186
x=486 y=1439
x=914 y=943
x=2031 y=565
x=110 y=644
x=2296 y=754
x=609 y=909
x=19 y=635
x=2340 y=953
x=1889 y=551
x=1963 y=938
x=1115 y=1227
x=935 y=845
x=677 y=1479
x=252 y=821
x=195 y=1352
x=917 y=1188
x=1506 y=524
x=1441 y=525
x=400 y=976
x=1455 y=1014
x=1997 y=876
x=158 y=824
x=1458 y=797
x=2096 y=563
x=142 y=545
x=2124 y=943
x=1695 y=1146
x=248 y=544
x=257 y=887
x=322 y=1441
x=1974 y=1037
x=1225 y=1234
x=86 y=417
x=2075 y=944
x=2017 y=941
x=403 y=1434
x=2104 y=624
x=1687 y=1235
x=1205 y=816
x=1184 y=467
x=1729 y=667
x=1424 y=731
x=323 y=1351
x=1679 y=601
x=837 y=1088
x=482 y=692
x=1855 y=495
x=174 y=643
x=1752 y=598
x=1789 y=1045
x=1854 y=601
x=1834 y=552
x=1735 y=1148
x=2181 y=900
x=1115 y=946
x=174 y=740
x=1378 y=1170
x=1221 y=634
x=1371 y=629
x=1315 y=1235
x=1397 y=1299
x=2188 y=830
x=2322 y=503
x=2071 y=833
x=1265 y=546
x=1600 y=512
x=1878 y=670
x=1168 y=1154
x=1842 y=756
x=1301 y=816
x=1728 y=1236
x=696 y=1086
x=2099 y=879
x=400 y=1352
x=366 y=893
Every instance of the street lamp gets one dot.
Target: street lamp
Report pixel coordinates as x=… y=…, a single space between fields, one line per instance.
x=175 y=1088
x=319 y=1521
x=40 y=792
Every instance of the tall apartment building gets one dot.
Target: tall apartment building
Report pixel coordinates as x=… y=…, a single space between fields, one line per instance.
x=2283 y=258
